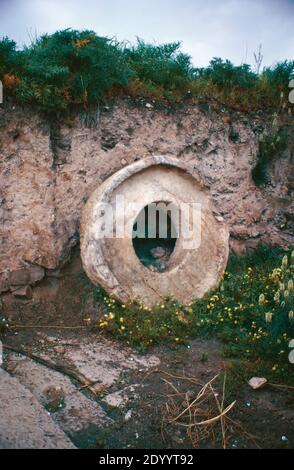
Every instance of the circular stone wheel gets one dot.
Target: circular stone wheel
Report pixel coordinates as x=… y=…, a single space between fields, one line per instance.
x=112 y=263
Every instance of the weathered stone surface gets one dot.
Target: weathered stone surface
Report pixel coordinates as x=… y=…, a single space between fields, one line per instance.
x=36 y=273
x=23 y=292
x=19 y=277
x=46 y=176
x=103 y=362
x=30 y=274
x=257 y=382
x=99 y=362
x=71 y=409
x=24 y=424
x=200 y=256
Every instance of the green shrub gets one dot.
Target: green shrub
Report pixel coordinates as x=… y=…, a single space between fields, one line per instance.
x=163 y=67
x=241 y=88
x=9 y=58
x=77 y=70
x=70 y=68
x=276 y=79
x=228 y=76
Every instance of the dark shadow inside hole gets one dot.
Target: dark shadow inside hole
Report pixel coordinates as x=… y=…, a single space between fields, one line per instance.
x=154 y=236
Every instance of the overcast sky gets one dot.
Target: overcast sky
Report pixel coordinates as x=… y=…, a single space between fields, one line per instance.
x=230 y=29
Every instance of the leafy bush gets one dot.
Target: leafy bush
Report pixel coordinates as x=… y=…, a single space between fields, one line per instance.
x=78 y=70
x=8 y=55
x=241 y=88
x=162 y=68
x=276 y=79
x=71 y=68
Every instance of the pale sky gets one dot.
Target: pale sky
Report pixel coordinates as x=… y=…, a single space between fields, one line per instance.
x=231 y=29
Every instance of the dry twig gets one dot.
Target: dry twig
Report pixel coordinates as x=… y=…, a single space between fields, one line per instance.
x=201 y=412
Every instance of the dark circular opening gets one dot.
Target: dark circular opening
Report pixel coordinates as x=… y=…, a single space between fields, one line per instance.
x=155 y=234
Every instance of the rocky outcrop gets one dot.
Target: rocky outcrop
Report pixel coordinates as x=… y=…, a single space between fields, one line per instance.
x=25 y=424
x=48 y=171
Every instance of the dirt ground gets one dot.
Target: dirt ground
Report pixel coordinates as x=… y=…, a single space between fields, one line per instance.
x=102 y=394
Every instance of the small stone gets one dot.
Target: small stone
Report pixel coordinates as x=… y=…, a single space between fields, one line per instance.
x=19 y=277
x=257 y=382
x=158 y=252
x=116 y=400
x=59 y=349
x=149 y=106
x=128 y=415
x=55 y=398
x=23 y=292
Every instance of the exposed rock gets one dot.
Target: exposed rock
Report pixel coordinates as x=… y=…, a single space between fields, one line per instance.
x=23 y=292
x=237 y=247
x=102 y=363
x=55 y=398
x=47 y=175
x=69 y=407
x=19 y=277
x=116 y=400
x=257 y=382
x=36 y=273
x=157 y=252
x=26 y=275
x=120 y=398
x=24 y=424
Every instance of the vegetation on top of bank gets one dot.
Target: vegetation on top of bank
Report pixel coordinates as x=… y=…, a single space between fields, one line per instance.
x=76 y=70
x=252 y=313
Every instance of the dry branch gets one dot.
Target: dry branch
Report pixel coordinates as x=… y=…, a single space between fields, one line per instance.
x=204 y=416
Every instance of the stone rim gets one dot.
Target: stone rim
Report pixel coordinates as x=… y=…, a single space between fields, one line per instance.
x=100 y=272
